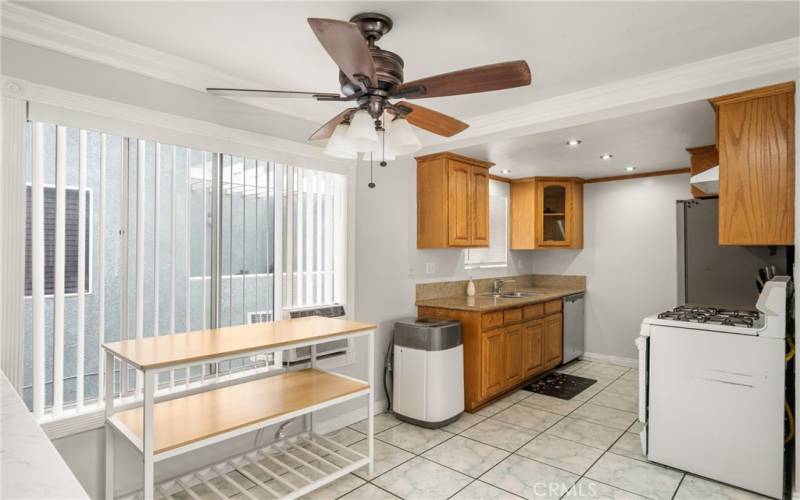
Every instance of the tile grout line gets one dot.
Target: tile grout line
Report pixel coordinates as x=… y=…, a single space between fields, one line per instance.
x=515 y=452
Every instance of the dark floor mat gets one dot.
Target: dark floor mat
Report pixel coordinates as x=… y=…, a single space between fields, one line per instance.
x=560 y=385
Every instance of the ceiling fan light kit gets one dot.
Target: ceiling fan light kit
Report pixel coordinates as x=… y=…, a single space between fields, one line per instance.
x=371 y=78
x=338 y=145
x=402 y=140
x=361 y=133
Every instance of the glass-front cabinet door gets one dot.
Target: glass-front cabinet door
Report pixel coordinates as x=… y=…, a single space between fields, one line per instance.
x=554 y=213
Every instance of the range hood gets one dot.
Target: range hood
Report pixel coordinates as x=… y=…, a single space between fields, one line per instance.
x=707 y=181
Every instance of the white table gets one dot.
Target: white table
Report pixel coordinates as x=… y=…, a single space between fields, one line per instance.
x=174 y=424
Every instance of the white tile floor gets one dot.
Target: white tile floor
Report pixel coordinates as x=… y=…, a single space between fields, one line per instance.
x=526 y=445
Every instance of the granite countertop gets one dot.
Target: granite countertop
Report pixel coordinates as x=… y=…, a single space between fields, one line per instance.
x=32 y=468
x=481 y=302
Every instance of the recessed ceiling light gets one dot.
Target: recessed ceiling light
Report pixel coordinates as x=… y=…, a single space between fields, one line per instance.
x=573 y=142
x=505 y=171
x=630 y=168
x=606 y=156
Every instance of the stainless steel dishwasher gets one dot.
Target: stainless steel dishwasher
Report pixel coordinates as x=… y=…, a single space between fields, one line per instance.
x=574 y=324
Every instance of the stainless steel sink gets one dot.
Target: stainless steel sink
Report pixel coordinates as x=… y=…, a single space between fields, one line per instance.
x=519 y=293
x=510 y=294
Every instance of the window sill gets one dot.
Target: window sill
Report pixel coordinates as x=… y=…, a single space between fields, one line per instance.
x=486 y=266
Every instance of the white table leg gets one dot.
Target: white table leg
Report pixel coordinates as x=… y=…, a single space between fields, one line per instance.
x=148 y=434
x=371 y=401
x=109 y=411
x=313 y=365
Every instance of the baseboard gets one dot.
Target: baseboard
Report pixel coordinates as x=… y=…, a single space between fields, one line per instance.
x=349 y=418
x=612 y=360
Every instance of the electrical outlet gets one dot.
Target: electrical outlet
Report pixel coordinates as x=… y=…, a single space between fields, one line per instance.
x=430 y=267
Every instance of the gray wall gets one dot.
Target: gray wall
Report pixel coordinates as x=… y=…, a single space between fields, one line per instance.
x=629 y=258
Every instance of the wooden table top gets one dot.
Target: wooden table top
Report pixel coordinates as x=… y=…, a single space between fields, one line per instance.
x=181 y=348
x=185 y=420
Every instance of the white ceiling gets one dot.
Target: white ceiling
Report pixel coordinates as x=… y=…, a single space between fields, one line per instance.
x=651 y=141
x=570 y=46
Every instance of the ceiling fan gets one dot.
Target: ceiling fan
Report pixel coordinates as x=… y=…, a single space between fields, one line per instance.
x=372 y=78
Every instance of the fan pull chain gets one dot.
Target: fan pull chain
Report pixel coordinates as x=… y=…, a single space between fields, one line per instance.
x=371 y=183
x=383 y=146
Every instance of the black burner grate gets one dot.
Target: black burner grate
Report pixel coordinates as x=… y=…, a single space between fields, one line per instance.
x=712 y=315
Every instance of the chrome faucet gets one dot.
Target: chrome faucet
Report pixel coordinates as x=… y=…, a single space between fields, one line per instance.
x=497 y=285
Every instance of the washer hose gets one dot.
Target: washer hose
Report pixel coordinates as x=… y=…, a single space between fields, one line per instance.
x=387 y=368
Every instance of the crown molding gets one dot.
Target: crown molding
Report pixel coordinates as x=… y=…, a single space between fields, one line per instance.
x=727 y=73
x=280 y=149
x=43 y=30
x=50 y=32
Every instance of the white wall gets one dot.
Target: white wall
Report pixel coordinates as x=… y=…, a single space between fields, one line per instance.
x=629 y=258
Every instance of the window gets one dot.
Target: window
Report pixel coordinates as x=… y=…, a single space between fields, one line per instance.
x=496 y=255
x=71 y=241
x=140 y=264
x=315 y=223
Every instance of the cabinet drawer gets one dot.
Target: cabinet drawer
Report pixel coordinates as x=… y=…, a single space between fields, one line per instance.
x=533 y=311
x=552 y=307
x=512 y=316
x=492 y=320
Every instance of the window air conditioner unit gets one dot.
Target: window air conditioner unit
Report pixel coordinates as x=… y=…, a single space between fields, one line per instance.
x=325 y=349
x=259 y=317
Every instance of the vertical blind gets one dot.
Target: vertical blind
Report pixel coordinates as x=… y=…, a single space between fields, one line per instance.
x=119 y=246
x=315 y=247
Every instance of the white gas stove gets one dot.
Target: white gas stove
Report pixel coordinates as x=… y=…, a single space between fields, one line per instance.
x=711 y=390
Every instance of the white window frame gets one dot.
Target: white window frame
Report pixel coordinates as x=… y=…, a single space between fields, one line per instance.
x=476 y=258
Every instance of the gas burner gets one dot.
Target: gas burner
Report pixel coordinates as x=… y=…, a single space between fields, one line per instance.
x=713 y=315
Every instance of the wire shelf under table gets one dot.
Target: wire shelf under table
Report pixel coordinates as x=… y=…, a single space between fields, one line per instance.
x=287 y=469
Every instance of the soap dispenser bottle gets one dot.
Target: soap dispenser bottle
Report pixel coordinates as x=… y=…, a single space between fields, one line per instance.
x=470 y=288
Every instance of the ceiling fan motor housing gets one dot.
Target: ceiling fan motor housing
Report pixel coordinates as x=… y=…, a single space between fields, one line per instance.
x=388 y=68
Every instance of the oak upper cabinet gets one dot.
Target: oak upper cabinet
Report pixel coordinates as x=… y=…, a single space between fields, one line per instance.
x=452 y=201
x=547 y=213
x=701 y=159
x=755 y=139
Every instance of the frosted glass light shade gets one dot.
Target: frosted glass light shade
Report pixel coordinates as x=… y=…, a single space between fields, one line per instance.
x=362 y=135
x=381 y=153
x=402 y=140
x=338 y=146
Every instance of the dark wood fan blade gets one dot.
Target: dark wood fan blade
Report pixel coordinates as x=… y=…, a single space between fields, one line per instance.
x=469 y=81
x=348 y=49
x=326 y=130
x=268 y=93
x=430 y=120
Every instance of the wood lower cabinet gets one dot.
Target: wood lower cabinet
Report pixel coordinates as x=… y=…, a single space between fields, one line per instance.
x=504 y=349
x=513 y=356
x=553 y=340
x=452 y=201
x=492 y=355
x=533 y=346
